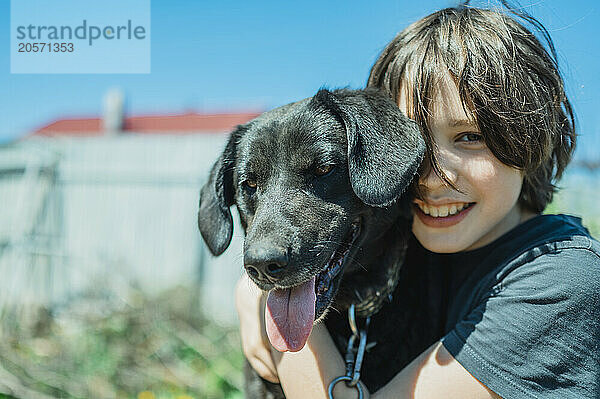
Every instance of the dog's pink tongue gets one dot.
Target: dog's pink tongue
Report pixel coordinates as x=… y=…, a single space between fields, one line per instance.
x=289 y=316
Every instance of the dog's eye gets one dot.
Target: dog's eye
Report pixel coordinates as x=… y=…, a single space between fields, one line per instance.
x=250 y=186
x=322 y=170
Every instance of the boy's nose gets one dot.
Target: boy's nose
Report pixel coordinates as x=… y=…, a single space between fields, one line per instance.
x=433 y=179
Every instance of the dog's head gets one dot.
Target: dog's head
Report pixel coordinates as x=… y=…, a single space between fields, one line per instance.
x=314 y=181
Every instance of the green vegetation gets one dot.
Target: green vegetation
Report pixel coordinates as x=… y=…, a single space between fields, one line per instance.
x=577 y=197
x=147 y=348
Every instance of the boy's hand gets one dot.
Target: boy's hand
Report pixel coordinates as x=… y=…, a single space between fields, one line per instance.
x=250 y=305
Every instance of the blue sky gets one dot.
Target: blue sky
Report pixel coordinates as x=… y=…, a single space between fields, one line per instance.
x=240 y=55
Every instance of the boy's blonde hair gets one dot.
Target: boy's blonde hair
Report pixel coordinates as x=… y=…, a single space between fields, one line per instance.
x=505 y=78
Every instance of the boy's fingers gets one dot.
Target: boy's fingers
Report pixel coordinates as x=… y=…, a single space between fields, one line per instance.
x=250 y=304
x=265 y=369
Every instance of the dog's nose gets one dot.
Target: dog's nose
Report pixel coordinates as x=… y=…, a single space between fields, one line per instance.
x=265 y=263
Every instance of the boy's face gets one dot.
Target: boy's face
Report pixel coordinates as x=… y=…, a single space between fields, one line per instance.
x=447 y=220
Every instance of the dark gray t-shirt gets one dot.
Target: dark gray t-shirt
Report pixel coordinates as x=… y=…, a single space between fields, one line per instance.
x=524 y=311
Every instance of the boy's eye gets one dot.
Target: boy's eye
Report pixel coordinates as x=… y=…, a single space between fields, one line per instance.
x=470 y=138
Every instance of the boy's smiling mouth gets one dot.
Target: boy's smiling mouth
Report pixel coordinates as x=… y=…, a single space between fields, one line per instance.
x=444 y=215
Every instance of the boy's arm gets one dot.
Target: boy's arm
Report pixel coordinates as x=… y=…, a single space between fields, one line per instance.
x=308 y=372
x=434 y=374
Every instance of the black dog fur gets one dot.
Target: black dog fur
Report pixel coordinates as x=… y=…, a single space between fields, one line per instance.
x=375 y=152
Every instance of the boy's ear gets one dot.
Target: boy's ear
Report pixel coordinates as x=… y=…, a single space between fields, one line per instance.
x=385 y=148
x=216 y=196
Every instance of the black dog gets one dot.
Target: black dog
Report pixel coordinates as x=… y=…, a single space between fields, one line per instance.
x=319 y=187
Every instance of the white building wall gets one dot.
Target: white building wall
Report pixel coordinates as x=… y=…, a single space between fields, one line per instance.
x=123 y=211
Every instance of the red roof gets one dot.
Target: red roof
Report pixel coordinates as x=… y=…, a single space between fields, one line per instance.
x=178 y=123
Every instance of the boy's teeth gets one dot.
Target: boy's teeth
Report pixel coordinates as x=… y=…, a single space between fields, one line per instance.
x=442 y=210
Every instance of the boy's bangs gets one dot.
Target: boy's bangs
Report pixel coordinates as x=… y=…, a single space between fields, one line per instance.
x=427 y=64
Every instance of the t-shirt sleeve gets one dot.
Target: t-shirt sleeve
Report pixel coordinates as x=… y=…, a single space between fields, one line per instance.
x=536 y=332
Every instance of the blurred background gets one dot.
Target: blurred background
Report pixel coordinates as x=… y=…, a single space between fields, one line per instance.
x=106 y=288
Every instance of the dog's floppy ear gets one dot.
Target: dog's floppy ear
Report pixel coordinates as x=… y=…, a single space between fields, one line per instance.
x=385 y=148
x=214 y=217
